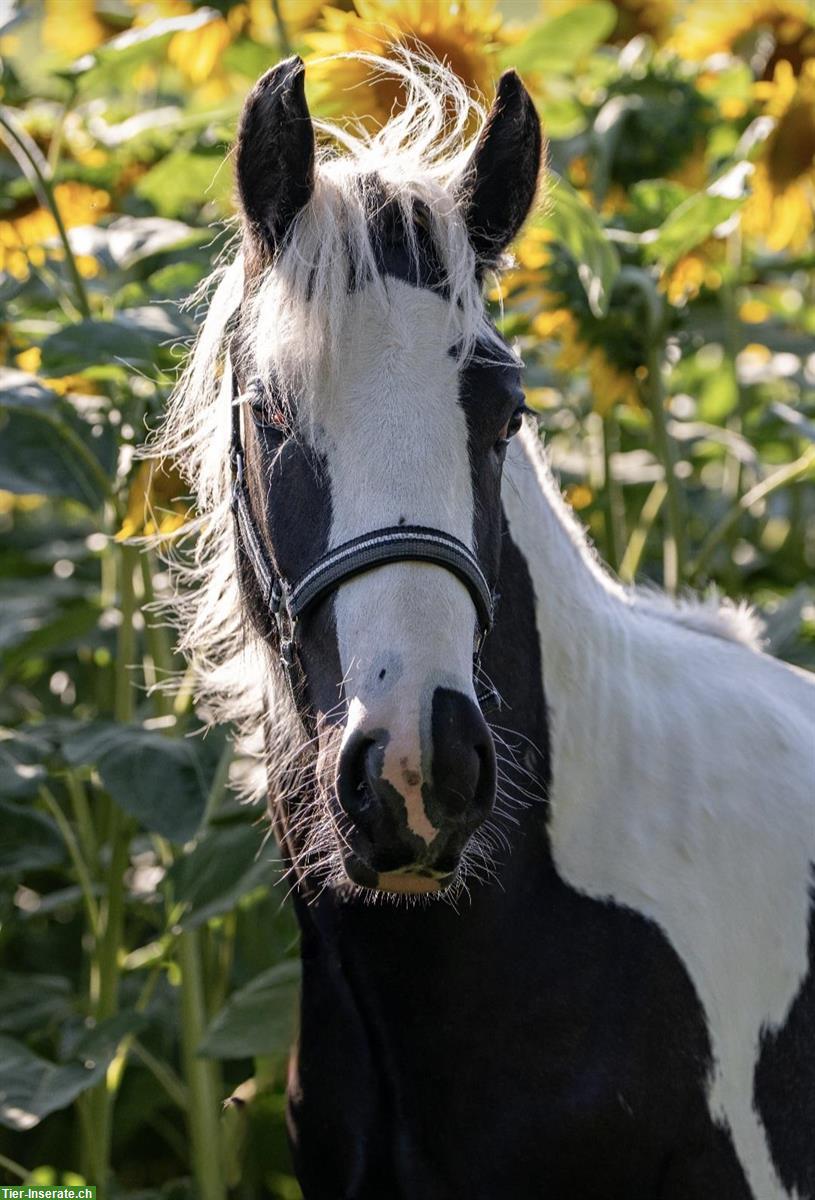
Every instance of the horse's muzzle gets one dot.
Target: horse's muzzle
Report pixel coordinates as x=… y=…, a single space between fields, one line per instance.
x=406 y=823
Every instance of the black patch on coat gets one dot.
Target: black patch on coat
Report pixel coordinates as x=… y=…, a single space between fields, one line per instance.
x=785 y=1085
x=291 y=498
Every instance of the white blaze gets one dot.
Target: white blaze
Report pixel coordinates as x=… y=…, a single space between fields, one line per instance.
x=394 y=437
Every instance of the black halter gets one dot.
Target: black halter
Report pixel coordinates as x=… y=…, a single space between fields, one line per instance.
x=288 y=600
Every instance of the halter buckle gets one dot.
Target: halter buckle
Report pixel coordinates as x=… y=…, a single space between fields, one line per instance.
x=285 y=622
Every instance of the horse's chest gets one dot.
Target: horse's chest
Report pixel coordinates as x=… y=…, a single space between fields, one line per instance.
x=567 y=1052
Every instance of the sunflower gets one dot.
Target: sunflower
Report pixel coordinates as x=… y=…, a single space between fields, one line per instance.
x=197 y=52
x=25 y=231
x=766 y=32
x=698 y=269
x=610 y=349
x=663 y=124
x=72 y=29
x=781 y=208
x=297 y=15
x=610 y=384
x=654 y=18
x=155 y=502
x=465 y=35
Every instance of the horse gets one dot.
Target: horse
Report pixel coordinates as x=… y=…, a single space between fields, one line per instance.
x=550 y=839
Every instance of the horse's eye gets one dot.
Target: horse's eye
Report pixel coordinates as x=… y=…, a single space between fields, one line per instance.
x=512 y=426
x=267 y=409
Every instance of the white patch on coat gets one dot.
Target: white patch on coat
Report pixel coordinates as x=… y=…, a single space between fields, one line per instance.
x=394 y=438
x=682 y=788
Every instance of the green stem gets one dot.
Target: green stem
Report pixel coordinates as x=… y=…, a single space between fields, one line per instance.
x=109 y=971
x=14 y=1168
x=83 y=818
x=27 y=155
x=79 y=865
x=163 y=1074
x=614 y=508
x=675 y=557
x=107 y=959
x=203 y=1109
x=785 y=475
x=639 y=538
x=158 y=643
x=220 y=780
x=126 y=648
x=282 y=32
x=267 y=1070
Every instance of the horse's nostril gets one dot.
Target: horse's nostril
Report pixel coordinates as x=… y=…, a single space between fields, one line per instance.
x=355 y=790
x=464 y=773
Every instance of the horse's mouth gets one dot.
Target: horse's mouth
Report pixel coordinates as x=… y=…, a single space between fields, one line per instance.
x=412 y=879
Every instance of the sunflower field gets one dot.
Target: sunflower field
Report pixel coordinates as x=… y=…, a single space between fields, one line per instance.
x=664 y=300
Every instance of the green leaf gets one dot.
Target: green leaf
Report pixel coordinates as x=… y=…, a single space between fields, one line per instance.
x=21 y=389
x=783 y=624
x=577 y=227
x=32 y=1087
x=73 y=622
x=140 y=44
x=136 y=337
x=259 y=1019
x=182 y=182
x=129 y=240
x=177 y=280
x=556 y=46
x=563 y=117
x=158 y=780
x=718 y=396
x=227 y=863
x=31 y=841
x=697 y=217
x=29 y=1001
x=653 y=200
x=27 y=608
x=22 y=763
x=41 y=454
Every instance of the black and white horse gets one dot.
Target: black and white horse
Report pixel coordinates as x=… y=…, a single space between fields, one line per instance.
x=619 y=1000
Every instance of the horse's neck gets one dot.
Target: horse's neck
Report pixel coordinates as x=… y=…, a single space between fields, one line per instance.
x=577 y=606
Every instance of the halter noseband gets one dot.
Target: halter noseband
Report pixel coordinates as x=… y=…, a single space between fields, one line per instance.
x=288 y=600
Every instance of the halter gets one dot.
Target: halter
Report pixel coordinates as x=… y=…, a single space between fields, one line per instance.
x=288 y=600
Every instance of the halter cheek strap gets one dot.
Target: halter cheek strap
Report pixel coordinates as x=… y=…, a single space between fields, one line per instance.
x=288 y=600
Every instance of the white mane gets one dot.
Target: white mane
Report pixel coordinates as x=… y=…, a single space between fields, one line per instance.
x=296 y=310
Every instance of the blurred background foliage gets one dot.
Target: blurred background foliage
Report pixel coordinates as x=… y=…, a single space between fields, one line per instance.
x=664 y=299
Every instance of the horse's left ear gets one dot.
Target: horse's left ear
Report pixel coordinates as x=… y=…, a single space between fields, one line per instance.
x=275 y=153
x=502 y=175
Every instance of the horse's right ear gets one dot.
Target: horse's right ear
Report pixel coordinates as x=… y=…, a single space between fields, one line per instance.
x=275 y=153
x=501 y=178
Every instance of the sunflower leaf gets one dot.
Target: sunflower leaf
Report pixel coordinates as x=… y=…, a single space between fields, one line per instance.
x=697 y=217
x=257 y=1019
x=577 y=227
x=557 y=45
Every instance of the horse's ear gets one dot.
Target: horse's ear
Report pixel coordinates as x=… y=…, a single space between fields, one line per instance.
x=502 y=175
x=275 y=153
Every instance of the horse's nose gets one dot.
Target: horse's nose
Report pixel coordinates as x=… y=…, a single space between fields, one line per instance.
x=463 y=761
x=414 y=805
